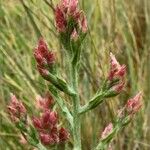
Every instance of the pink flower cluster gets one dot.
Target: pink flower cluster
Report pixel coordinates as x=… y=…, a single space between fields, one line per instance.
x=45 y=58
x=68 y=10
x=134 y=104
x=47 y=126
x=108 y=129
x=117 y=72
x=16 y=109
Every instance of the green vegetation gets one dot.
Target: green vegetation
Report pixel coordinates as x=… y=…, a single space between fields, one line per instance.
x=121 y=27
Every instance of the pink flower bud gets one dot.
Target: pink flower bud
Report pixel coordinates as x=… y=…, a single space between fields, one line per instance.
x=60 y=20
x=16 y=109
x=64 y=5
x=39 y=58
x=53 y=118
x=46 y=119
x=72 y=8
x=50 y=57
x=49 y=118
x=74 y=35
x=46 y=139
x=44 y=57
x=134 y=104
x=77 y=17
x=42 y=47
x=84 y=27
x=107 y=131
x=121 y=71
x=116 y=77
x=63 y=135
x=114 y=62
x=65 y=2
x=117 y=71
x=37 y=123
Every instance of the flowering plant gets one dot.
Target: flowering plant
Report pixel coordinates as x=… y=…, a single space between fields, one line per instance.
x=44 y=130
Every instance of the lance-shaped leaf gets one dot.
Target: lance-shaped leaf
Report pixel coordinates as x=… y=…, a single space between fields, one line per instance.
x=94 y=102
x=58 y=83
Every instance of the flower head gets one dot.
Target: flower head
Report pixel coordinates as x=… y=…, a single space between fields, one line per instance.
x=16 y=109
x=47 y=126
x=116 y=77
x=66 y=11
x=107 y=130
x=134 y=104
x=117 y=70
x=44 y=57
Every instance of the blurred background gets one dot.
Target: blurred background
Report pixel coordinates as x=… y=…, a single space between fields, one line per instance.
x=118 y=26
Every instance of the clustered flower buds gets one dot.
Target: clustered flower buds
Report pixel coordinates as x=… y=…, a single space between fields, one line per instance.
x=16 y=109
x=67 y=13
x=124 y=117
x=47 y=123
x=108 y=129
x=47 y=126
x=116 y=75
x=45 y=58
x=134 y=104
x=117 y=70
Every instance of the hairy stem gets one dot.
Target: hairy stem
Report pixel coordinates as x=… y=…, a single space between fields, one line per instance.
x=76 y=106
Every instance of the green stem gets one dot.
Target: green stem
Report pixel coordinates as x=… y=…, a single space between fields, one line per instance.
x=76 y=105
x=41 y=147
